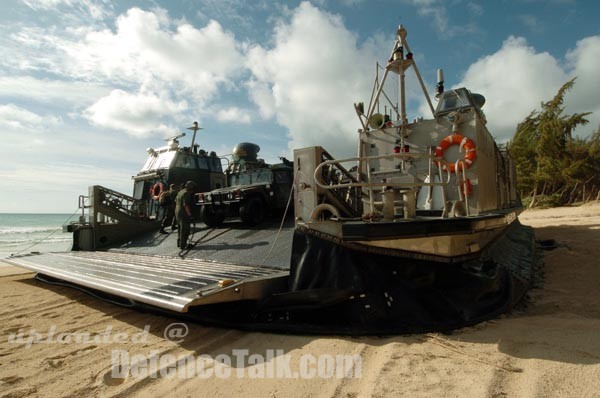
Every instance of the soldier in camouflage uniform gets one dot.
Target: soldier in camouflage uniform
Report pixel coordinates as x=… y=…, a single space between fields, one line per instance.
x=183 y=213
x=167 y=201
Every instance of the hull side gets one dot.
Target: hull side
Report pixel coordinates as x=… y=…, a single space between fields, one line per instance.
x=401 y=295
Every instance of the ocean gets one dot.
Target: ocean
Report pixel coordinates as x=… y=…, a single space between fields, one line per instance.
x=24 y=233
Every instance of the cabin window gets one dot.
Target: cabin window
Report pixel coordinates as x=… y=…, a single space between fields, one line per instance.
x=164 y=160
x=149 y=163
x=139 y=189
x=202 y=163
x=185 y=161
x=161 y=160
x=214 y=164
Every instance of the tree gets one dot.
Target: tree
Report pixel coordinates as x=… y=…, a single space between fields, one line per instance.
x=548 y=160
x=522 y=151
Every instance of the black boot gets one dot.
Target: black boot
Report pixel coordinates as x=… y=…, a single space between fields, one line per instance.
x=162 y=231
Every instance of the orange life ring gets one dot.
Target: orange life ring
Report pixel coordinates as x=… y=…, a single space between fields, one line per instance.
x=156 y=190
x=463 y=142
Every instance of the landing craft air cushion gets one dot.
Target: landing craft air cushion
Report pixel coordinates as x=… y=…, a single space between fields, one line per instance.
x=418 y=232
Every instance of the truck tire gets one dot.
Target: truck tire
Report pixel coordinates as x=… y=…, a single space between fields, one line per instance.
x=253 y=212
x=212 y=217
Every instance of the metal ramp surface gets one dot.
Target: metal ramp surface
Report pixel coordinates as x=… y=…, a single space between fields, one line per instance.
x=166 y=282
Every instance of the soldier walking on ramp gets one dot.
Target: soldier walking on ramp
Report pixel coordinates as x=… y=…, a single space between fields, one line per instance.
x=183 y=213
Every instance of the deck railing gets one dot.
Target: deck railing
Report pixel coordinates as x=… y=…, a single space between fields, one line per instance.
x=370 y=186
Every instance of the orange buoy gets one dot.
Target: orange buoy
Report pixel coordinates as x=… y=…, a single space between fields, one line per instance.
x=156 y=190
x=462 y=142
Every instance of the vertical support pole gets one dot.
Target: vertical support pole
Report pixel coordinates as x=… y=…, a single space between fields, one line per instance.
x=371 y=204
x=464 y=188
x=360 y=156
x=429 y=200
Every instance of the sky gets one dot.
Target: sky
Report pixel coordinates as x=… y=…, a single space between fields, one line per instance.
x=87 y=85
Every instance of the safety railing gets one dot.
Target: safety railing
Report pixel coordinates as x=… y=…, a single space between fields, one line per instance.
x=462 y=183
x=120 y=202
x=84 y=203
x=108 y=206
x=370 y=186
x=336 y=178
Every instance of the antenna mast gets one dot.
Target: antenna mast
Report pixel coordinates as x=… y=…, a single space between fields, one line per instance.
x=194 y=128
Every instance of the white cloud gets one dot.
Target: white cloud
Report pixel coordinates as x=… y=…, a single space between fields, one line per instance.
x=50 y=91
x=585 y=97
x=96 y=9
x=514 y=80
x=145 y=49
x=260 y=92
x=17 y=119
x=311 y=77
x=155 y=65
x=435 y=10
x=517 y=78
x=136 y=114
x=234 y=115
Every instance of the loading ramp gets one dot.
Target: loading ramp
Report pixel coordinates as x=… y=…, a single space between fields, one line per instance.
x=174 y=284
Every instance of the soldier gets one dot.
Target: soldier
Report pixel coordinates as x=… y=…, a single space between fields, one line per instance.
x=183 y=212
x=167 y=202
x=174 y=191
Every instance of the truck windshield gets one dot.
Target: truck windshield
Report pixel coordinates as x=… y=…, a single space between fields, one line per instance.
x=253 y=177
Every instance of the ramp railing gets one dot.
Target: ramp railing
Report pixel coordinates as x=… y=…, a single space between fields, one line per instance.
x=104 y=205
x=109 y=217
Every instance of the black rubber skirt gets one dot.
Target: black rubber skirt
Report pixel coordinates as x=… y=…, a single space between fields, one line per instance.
x=337 y=290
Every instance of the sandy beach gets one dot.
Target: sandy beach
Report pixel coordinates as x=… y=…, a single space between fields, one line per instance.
x=549 y=347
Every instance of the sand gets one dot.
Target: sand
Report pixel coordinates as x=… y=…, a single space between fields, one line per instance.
x=550 y=348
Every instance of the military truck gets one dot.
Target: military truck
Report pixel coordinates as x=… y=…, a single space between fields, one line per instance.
x=254 y=189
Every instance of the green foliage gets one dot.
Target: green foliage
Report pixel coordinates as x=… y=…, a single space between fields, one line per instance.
x=553 y=168
x=522 y=151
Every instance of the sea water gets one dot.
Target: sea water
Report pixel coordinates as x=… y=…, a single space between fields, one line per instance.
x=24 y=233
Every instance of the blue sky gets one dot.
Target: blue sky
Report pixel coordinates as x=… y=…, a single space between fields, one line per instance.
x=86 y=86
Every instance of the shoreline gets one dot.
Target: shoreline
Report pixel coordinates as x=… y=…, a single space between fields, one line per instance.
x=550 y=347
x=39 y=247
